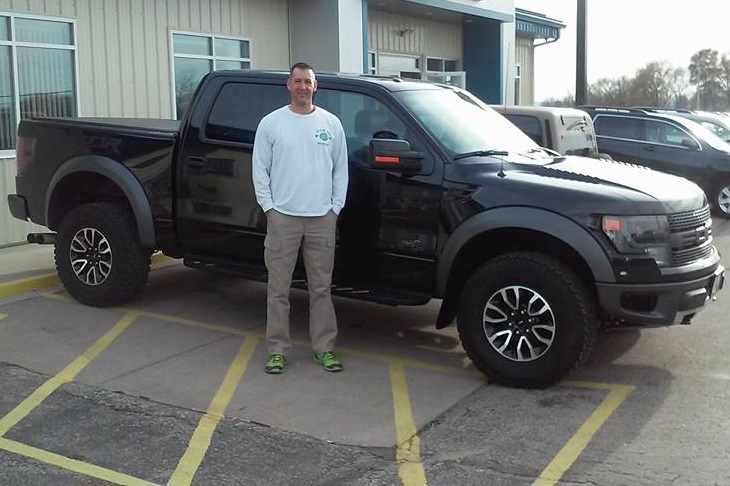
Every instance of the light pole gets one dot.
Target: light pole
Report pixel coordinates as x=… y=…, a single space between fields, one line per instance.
x=581 y=79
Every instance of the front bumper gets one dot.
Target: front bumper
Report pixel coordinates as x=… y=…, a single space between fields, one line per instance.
x=653 y=305
x=18 y=207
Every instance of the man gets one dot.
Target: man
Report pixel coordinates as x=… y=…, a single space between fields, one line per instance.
x=300 y=177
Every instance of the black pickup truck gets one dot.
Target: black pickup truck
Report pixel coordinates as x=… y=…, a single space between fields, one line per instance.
x=530 y=253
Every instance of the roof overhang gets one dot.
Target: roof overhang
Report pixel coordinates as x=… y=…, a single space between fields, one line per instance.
x=537 y=26
x=441 y=9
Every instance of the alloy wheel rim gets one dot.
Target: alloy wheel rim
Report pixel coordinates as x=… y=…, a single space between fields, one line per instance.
x=723 y=199
x=91 y=256
x=519 y=323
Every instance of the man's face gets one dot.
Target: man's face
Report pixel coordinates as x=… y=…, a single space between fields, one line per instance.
x=302 y=85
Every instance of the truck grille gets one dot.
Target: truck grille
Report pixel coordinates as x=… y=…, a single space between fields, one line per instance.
x=689 y=220
x=691 y=238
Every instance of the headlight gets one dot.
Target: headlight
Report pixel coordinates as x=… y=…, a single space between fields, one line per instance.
x=640 y=235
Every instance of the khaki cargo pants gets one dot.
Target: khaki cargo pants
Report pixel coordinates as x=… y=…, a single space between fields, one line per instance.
x=285 y=235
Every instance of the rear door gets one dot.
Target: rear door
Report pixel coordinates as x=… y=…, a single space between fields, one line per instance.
x=218 y=214
x=619 y=136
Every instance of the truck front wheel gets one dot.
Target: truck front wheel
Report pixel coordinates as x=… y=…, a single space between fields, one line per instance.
x=98 y=255
x=722 y=198
x=526 y=320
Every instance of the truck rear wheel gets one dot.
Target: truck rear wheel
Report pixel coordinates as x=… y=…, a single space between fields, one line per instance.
x=98 y=255
x=526 y=320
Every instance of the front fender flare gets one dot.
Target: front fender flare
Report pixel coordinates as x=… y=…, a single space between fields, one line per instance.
x=540 y=220
x=123 y=178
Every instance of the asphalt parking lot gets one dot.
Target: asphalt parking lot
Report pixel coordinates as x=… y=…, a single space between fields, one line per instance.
x=171 y=390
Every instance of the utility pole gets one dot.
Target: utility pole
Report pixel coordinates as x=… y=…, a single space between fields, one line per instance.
x=581 y=79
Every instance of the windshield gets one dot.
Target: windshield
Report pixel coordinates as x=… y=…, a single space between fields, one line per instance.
x=705 y=134
x=462 y=127
x=716 y=128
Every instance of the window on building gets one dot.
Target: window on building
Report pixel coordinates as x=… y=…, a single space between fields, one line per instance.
x=397 y=65
x=195 y=55
x=518 y=84
x=37 y=71
x=437 y=64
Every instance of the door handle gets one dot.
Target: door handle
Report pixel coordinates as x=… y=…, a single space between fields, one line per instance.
x=197 y=165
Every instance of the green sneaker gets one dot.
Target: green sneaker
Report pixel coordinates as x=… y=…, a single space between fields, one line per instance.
x=328 y=360
x=275 y=364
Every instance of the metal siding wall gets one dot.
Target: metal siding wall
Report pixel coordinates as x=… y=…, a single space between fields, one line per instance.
x=123 y=46
x=426 y=39
x=124 y=60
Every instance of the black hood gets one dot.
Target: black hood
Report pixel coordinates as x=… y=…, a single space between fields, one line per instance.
x=582 y=184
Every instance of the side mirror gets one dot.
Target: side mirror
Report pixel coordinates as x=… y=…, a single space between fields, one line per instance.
x=387 y=154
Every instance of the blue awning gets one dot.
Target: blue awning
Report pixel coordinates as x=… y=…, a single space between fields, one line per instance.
x=536 y=25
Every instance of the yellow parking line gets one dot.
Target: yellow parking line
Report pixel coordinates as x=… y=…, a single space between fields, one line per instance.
x=200 y=441
x=342 y=350
x=39 y=282
x=575 y=446
x=71 y=464
x=3 y=316
x=408 y=453
x=411 y=469
x=65 y=375
x=29 y=284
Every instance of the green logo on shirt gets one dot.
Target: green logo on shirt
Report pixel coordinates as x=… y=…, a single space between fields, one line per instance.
x=323 y=136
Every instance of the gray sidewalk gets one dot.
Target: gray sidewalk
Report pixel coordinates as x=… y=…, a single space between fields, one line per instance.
x=26 y=260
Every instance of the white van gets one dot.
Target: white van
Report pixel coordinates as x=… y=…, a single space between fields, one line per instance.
x=568 y=131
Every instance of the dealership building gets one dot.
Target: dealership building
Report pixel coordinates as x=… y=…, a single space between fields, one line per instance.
x=143 y=58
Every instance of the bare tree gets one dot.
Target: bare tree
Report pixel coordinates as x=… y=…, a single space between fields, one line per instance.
x=650 y=86
x=724 y=81
x=678 y=82
x=611 y=92
x=704 y=72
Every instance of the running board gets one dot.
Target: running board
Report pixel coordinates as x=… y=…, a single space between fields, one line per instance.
x=380 y=295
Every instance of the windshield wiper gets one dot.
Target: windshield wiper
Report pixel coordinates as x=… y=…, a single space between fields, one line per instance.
x=481 y=153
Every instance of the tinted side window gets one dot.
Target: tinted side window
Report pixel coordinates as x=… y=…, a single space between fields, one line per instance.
x=617 y=126
x=361 y=116
x=239 y=108
x=677 y=136
x=528 y=124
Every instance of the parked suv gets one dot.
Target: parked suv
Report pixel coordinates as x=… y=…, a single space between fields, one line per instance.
x=668 y=143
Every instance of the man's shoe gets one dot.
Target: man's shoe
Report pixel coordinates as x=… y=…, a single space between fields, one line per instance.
x=328 y=360
x=275 y=364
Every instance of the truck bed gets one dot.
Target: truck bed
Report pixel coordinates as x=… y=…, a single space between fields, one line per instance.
x=147 y=124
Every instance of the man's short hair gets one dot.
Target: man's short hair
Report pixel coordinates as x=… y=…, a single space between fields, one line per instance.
x=300 y=65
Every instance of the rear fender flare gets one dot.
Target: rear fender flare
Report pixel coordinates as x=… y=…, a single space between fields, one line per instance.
x=123 y=178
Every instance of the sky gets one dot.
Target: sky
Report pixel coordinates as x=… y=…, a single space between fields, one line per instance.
x=623 y=36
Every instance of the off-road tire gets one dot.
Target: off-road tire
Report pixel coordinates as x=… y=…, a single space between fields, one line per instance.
x=98 y=255
x=570 y=326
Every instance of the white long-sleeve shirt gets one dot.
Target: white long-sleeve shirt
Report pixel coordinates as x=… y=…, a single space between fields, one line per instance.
x=300 y=163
